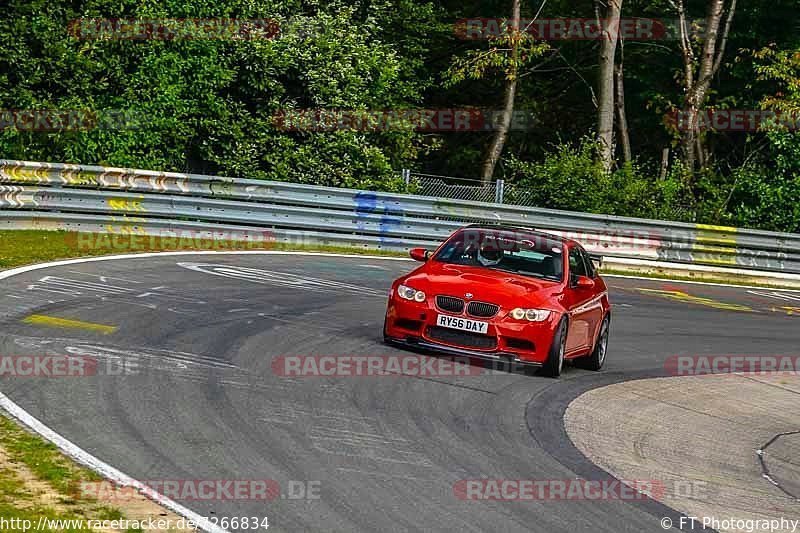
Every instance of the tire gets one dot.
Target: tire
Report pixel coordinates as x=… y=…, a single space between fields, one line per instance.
x=386 y=339
x=596 y=359
x=555 y=359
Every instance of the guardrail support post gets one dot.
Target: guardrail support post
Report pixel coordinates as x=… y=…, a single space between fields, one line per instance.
x=407 y=177
x=499 y=191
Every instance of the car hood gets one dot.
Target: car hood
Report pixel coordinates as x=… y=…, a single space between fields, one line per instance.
x=486 y=285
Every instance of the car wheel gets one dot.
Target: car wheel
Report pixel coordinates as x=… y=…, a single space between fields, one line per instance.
x=596 y=359
x=555 y=359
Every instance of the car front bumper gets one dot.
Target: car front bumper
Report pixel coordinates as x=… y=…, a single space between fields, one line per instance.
x=506 y=340
x=493 y=357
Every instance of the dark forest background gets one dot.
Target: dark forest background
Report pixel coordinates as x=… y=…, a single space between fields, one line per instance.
x=209 y=105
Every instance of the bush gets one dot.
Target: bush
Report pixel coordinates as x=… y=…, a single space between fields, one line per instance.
x=766 y=194
x=570 y=178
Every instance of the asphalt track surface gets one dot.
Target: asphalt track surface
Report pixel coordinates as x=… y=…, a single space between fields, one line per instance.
x=384 y=452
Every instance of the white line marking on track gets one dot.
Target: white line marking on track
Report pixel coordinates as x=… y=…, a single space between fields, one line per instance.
x=768 y=293
x=281 y=279
x=69 y=292
x=102 y=277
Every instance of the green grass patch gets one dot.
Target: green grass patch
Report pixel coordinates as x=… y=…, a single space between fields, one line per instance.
x=108 y=513
x=11 y=487
x=43 y=459
x=17 y=504
x=25 y=247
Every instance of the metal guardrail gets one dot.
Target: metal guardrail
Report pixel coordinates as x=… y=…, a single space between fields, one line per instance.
x=115 y=200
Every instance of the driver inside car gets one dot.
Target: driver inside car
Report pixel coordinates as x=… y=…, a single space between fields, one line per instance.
x=489 y=254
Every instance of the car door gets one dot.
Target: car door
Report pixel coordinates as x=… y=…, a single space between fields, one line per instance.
x=582 y=304
x=595 y=305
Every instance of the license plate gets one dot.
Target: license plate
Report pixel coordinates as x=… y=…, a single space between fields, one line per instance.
x=464 y=324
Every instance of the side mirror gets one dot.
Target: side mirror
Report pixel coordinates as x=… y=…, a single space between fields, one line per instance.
x=584 y=282
x=419 y=254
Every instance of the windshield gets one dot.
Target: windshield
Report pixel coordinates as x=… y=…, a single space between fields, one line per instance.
x=521 y=253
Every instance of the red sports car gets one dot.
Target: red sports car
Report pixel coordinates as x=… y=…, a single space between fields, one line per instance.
x=505 y=294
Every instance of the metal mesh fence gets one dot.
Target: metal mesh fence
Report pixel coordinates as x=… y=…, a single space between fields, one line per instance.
x=517 y=195
x=449 y=187
x=467 y=189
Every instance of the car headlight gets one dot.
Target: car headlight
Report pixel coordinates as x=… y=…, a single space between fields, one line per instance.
x=531 y=315
x=407 y=293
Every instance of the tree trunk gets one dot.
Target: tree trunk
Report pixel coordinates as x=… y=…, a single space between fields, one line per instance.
x=605 y=85
x=696 y=88
x=622 y=119
x=662 y=174
x=499 y=139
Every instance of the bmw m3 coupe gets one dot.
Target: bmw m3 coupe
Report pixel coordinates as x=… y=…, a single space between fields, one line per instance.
x=504 y=294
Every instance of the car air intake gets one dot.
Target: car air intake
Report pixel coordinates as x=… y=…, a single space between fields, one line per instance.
x=519 y=344
x=461 y=338
x=450 y=304
x=411 y=325
x=482 y=309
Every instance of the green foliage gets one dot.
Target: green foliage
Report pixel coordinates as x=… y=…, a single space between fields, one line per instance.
x=766 y=199
x=782 y=66
x=210 y=105
x=766 y=190
x=507 y=53
x=570 y=177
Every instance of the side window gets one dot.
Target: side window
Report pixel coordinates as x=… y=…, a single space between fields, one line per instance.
x=577 y=267
x=589 y=265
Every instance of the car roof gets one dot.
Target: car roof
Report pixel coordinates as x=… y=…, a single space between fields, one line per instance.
x=509 y=227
